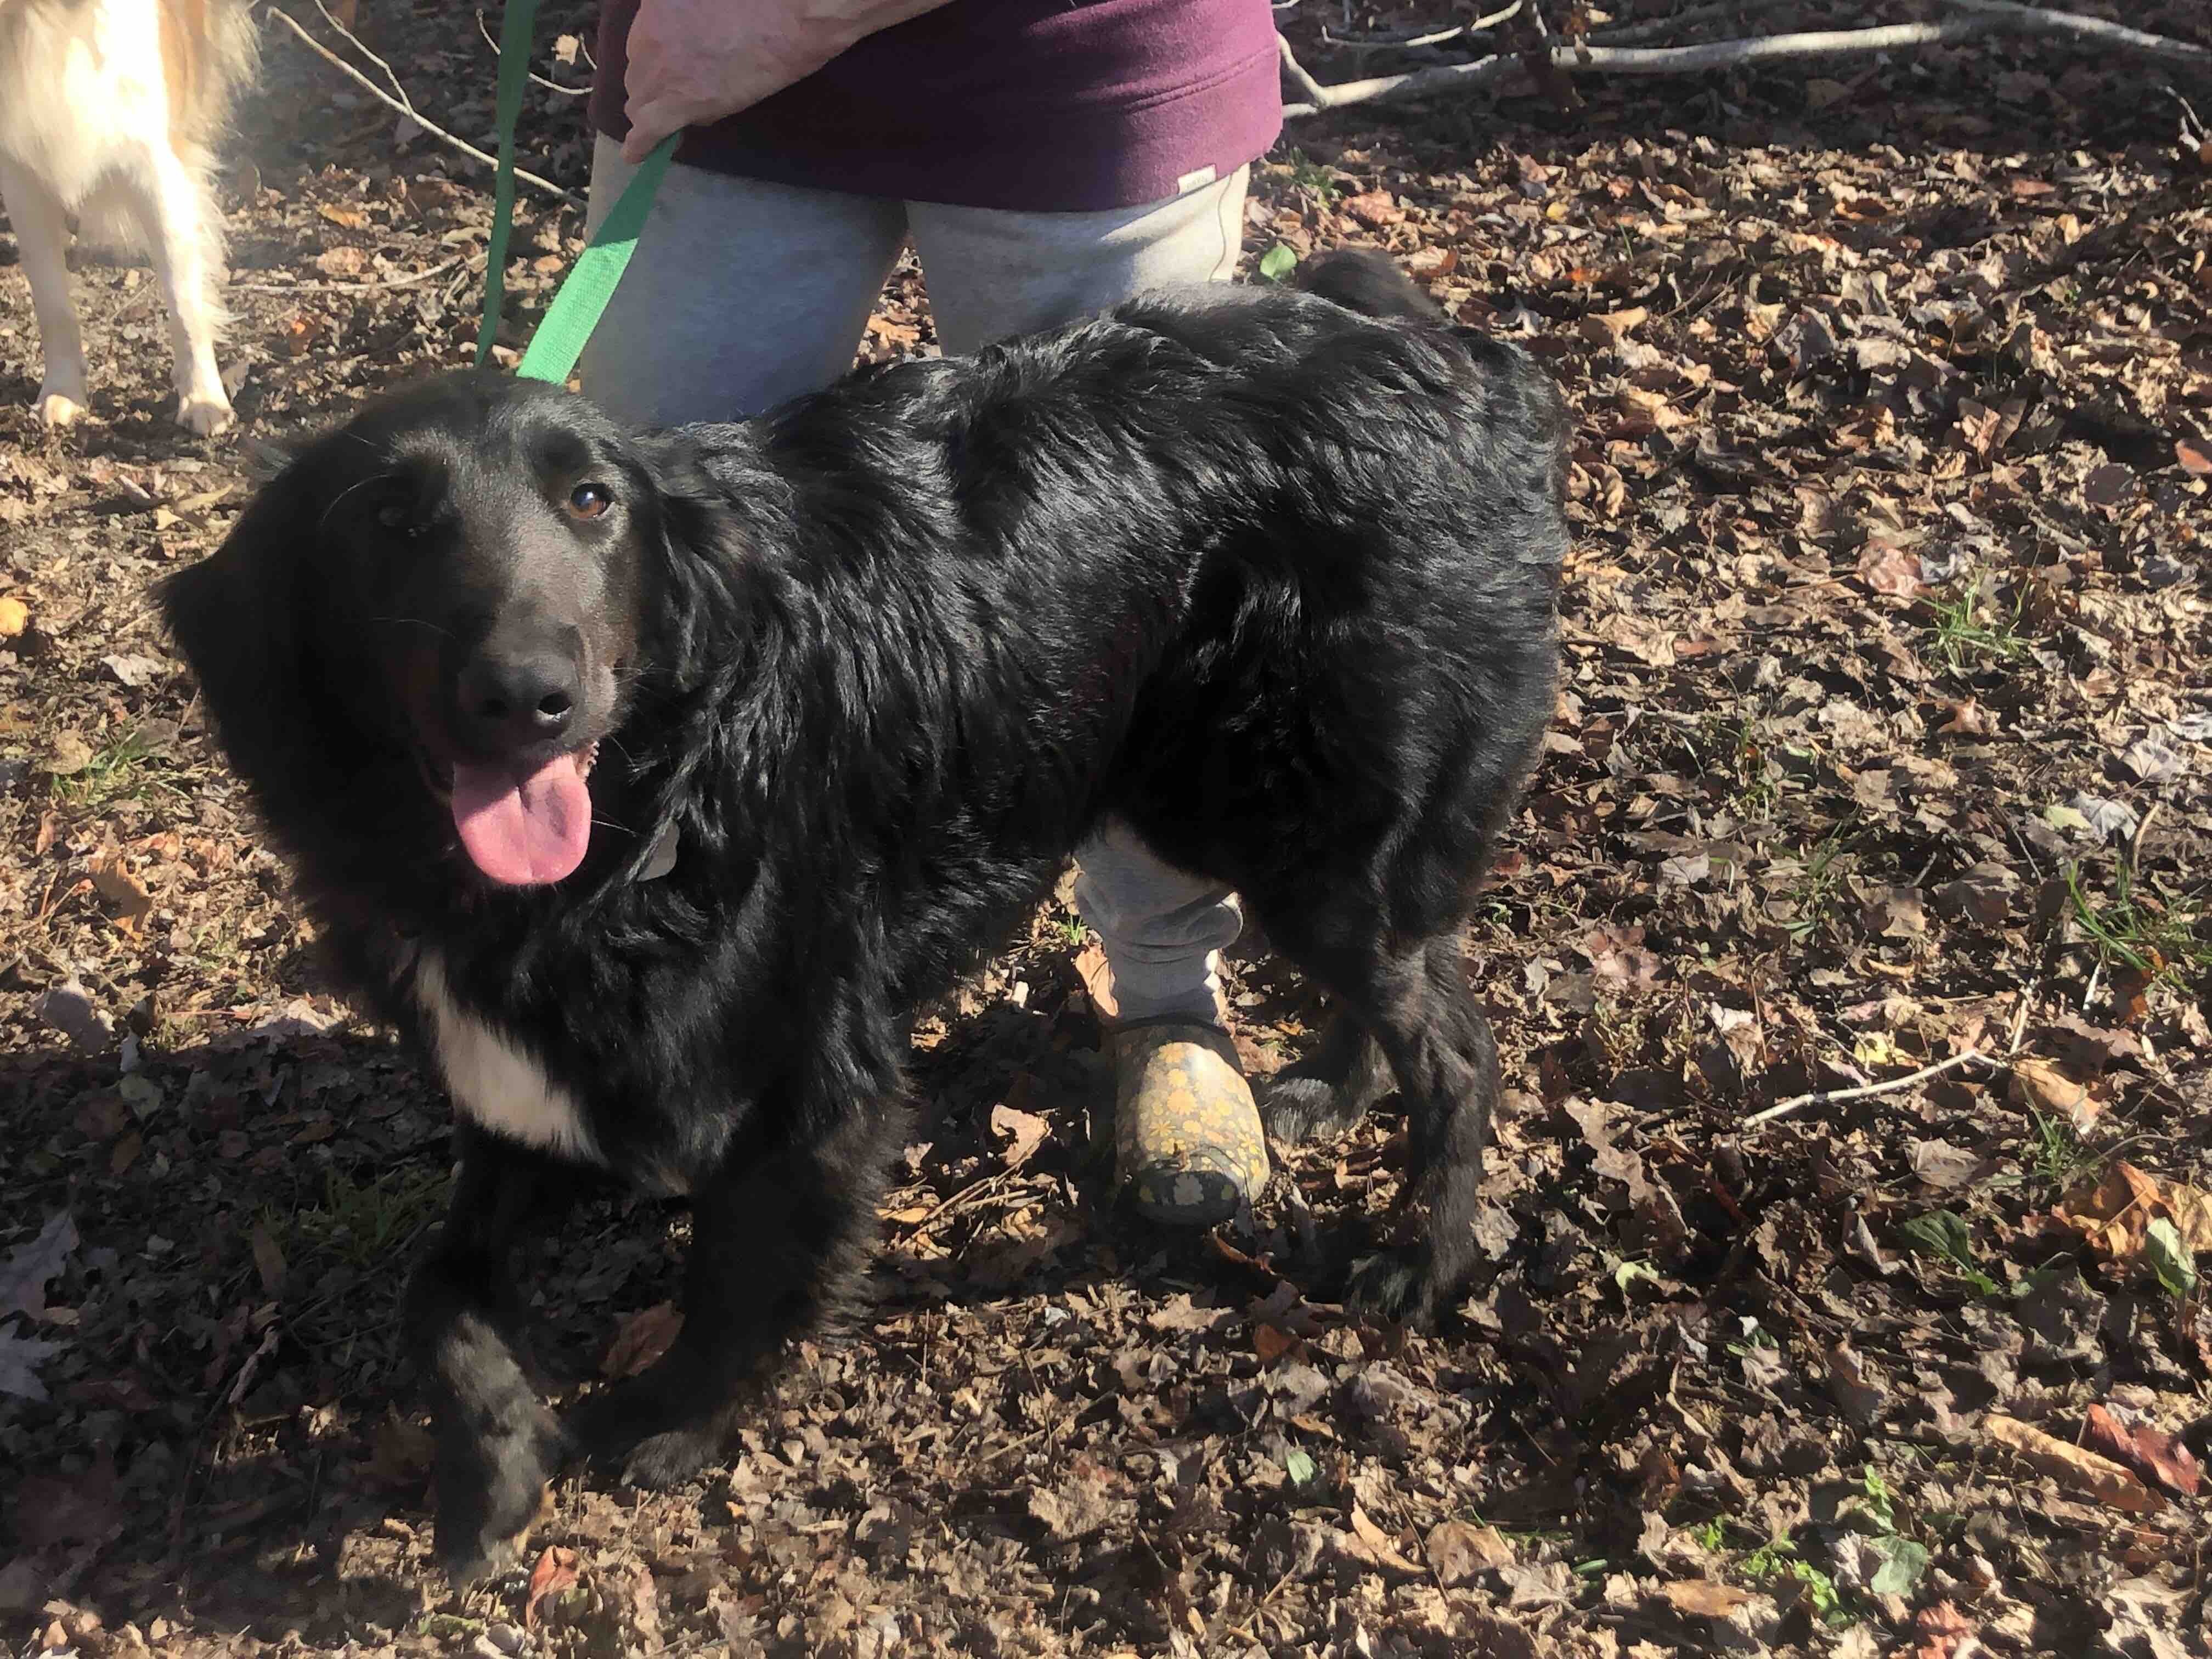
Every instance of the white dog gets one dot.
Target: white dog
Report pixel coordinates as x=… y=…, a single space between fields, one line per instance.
x=107 y=112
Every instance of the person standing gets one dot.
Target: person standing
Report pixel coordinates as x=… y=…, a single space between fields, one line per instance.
x=1048 y=159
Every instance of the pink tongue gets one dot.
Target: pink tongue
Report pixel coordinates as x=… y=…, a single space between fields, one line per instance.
x=523 y=830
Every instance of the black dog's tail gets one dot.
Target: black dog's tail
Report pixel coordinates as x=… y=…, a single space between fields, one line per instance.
x=1362 y=279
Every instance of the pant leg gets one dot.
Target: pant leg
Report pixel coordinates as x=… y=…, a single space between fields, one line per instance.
x=992 y=274
x=741 y=294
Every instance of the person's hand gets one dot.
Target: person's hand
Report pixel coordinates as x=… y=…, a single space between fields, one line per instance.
x=692 y=62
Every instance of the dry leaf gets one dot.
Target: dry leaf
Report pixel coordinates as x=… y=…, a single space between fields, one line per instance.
x=350 y=218
x=268 y=1259
x=1098 y=976
x=24 y=1273
x=1177 y=1314
x=1458 y=1551
x=1429 y=264
x=2193 y=458
x=69 y=755
x=1272 y=1342
x=1610 y=328
x=2191 y=1210
x=15 y=618
x=1368 y=1542
x=2108 y=484
x=2149 y=1451
x=1703 y=1598
x=643 y=1338
x=1375 y=209
x=1025 y=1131
x=111 y=874
x=2041 y=1084
x=1888 y=569
x=1942 y=1631
x=342 y=262
x=1967 y=720
x=555 y=1571
x=2113 y=1209
x=2109 y=1483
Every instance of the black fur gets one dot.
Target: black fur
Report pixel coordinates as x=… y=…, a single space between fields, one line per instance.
x=1271 y=580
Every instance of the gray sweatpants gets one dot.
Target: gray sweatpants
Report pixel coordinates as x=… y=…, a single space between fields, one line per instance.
x=742 y=294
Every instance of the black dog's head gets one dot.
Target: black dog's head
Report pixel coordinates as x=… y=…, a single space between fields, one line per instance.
x=445 y=593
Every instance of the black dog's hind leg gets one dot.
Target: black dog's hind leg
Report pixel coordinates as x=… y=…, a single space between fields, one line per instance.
x=1445 y=1056
x=778 y=1238
x=497 y=1443
x=1331 y=1089
x=1417 y=1006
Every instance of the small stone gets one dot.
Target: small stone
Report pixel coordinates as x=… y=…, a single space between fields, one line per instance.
x=70 y=1009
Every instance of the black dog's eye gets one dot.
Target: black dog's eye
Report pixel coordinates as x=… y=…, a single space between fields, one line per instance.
x=399 y=515
x=589 y=500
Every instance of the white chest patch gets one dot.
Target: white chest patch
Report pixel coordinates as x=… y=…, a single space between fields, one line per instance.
x=495 y=1083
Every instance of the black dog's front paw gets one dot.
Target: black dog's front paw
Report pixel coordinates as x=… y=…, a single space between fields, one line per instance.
x=492 y=1489
x=1295 y=1109
x=1400 y=1285
x=669 y=1460
x=636 y=1428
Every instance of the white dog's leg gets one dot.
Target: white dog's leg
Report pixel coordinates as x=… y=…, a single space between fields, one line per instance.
x=176 y=219
x=42 y=234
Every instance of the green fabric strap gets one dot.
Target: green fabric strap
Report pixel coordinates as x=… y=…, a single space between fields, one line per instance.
x=582 y=300
x=514 y=77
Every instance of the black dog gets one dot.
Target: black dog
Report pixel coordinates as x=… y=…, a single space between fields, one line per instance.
x=651 y=781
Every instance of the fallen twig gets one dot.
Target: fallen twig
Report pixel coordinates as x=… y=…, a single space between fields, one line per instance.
x=1644 y=60
x=1428 y=35
x=1660 y=28
x=2035 y=20
x=406 y=107
x=414 y=281
x=2019 y=1016
x=1824 y=1096
x=535 y=79
x=1979 y=18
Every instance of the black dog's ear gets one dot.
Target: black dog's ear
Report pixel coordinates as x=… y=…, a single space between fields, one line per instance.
x=231 y=615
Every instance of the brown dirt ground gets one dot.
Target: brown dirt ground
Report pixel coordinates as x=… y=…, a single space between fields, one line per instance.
x=1882 y=741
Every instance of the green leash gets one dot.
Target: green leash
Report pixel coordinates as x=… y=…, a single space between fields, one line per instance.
x=584 y=293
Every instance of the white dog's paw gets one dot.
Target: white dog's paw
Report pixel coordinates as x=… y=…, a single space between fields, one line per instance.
x=205 y=415
x=59 y=408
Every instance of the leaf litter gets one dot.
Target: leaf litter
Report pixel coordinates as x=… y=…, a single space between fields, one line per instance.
x=1882 y=739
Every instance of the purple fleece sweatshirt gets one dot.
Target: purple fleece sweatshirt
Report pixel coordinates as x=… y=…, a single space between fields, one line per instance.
x=1042 y=106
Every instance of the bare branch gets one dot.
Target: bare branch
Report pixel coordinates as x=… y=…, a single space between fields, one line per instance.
x=413 y=280
x=535 y=79
x=1655 y=60
x=1980 y=17
x=406 y=107
x=1824 y=1097
x=1428 y=35
x=361 y=46
x=2035 y=20
x=1659 y=28
x=1316 y=95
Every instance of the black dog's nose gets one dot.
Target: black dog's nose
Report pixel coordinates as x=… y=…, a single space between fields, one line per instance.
x=508 y=701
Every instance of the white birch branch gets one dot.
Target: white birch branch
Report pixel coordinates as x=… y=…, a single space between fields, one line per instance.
x=406 y=107
x=1981 y=17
